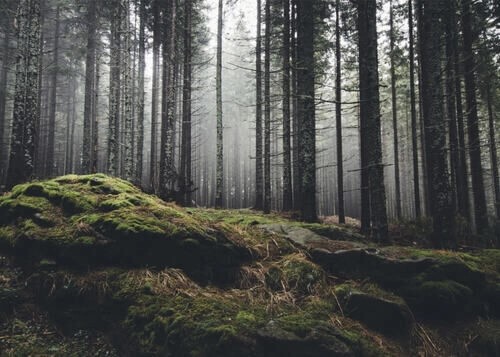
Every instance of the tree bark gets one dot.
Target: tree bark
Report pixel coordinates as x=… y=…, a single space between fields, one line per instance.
x=114 y=91
x=22 y=152
x=220 y=149
x=370 y=117
x=414 y=119
x=89 y=86
x=259 y=173
x=267 y=109
x=306 y=109
x=167 y=169
x=153 y=175
x=338 y=116
x=287 y=160
x=435 y=126
x=480 y=213
x=186 y=179
x=140 y=86
x=394 y=115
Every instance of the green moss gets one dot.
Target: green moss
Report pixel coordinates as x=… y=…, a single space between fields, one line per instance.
x=295 y=272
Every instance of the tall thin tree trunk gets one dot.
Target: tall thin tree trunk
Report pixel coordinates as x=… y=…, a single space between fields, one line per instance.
x=3 y=100
x=306 y=106
x=259 y=173
x=295 y=154
x=154 y=97
x=493 y=150
x=89 y=86
x=456 y=184
x=140 y=86
x=370 y=117
x=95 y=117
x=114 y=91
x=186 y=183
x=22 y=153
x=394 y=115
x=287 y=159
x=267 y=109
x=220 y=149
x=338 y=116
x=127 y=97
x=435 y=126
x=481 y=217
x=49 y=164
x=414 y=119
x=462 y=170
x=167 y=168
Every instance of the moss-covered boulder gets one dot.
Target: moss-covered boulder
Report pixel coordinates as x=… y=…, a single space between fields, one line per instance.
x=99 y=220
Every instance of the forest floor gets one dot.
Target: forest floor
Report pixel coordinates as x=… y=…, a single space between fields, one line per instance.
x=92 y=266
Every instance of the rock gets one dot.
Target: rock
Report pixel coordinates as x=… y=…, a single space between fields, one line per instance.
x=363 y=263
x=389 y=317
x=321 y=341
x=307 y=239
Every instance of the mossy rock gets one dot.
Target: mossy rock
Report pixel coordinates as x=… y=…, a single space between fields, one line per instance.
x=443 y=299
x=99 y=220
x=295 y=273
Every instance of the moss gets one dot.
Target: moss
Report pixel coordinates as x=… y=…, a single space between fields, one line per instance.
x=295 y=272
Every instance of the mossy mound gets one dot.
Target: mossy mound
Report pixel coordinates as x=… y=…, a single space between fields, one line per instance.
x=98 y=255
x=99 y=220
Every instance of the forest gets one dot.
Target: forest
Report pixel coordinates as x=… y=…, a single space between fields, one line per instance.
x=249 y=178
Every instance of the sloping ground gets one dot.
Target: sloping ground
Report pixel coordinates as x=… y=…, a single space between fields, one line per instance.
x=94 y=264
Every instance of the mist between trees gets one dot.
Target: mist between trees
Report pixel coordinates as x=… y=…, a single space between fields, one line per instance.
x=377 y=110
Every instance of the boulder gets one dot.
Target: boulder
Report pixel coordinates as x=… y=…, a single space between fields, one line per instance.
x=380 y=314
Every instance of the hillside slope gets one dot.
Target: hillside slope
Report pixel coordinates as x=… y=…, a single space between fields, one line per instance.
x=91 y=264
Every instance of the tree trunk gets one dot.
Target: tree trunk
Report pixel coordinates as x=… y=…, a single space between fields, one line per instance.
x=220 y=149
x=414 y=135
x=394 y=116
x=295 y=116
x=140 y=87
x=3 y=101
x=435 y=126
x=493 y=150
x=167 y=169
x=49 y=164
x=89 y=85
x=306 y=109
x=481 y=217
x=370 y=117
x=338 y=116
x=22 y=152
x=186 y=179
x=95 y=117
x=153 y=176
x=114 y=91
x=127 y=97
x=267 y=109
x=287 y=160
x=259 y=173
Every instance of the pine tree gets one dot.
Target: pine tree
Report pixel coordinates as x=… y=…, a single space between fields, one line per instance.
x=220 y=128
x=267 y=109
x=287 y=159
x=114 y=90
x=26 y=113
x=371 y=160
x=338 y=116
x=259 y=173
x=435 y=127
x=89 y=85
x=306 y=109
x=186 y=179
x=480 y=213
